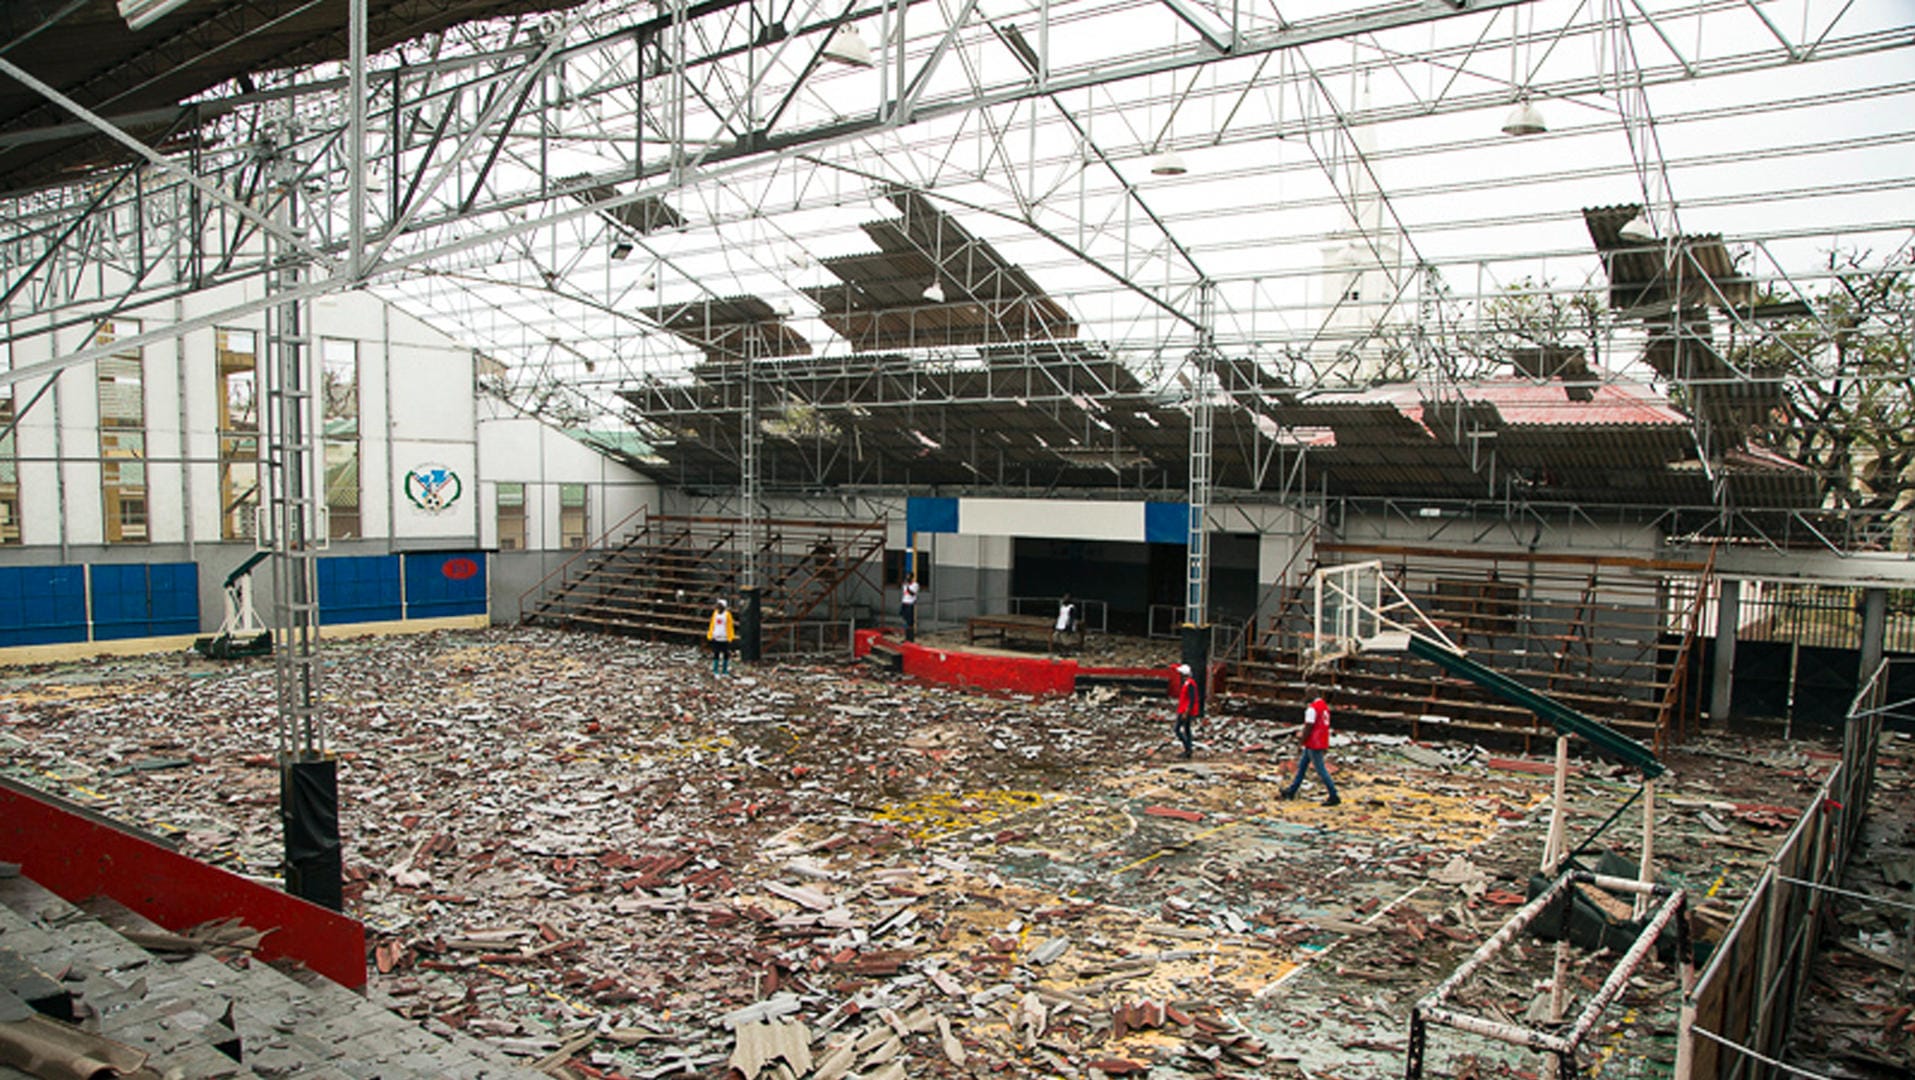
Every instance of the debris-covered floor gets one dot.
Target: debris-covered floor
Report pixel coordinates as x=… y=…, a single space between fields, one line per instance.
x=590 y=844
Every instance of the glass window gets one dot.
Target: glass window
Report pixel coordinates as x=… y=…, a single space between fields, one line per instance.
x=238 y=432
x=573 y=525
x=511 y=517
x=339 y=391
x=122 y=392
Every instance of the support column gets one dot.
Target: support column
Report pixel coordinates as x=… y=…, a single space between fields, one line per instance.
x=1197 y=654
x=309 y=790
x=1196 y=627
x=751 y=638
x=748 y=479
x=1722 y=679
x=1874 y=626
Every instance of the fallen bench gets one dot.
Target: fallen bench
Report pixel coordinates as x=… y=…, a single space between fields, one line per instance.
x=1035 y=627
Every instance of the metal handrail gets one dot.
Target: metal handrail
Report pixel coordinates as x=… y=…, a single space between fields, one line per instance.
x=603 y=543
x=1086 y=607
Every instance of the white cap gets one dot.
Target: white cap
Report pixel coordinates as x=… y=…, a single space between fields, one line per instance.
x=1183 y=669
x=721 y=603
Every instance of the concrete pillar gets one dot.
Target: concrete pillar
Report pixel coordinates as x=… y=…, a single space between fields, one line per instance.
x=751 y=635
x=1874 y=626
x=1197 y=655
x=309 y=811
x=1728 y=615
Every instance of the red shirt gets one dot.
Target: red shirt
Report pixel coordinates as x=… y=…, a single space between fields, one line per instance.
x=1316 y=727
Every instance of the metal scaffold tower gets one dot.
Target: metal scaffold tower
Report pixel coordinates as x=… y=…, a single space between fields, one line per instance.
x=1203 y=358
x=749 y=495
x=294 y=531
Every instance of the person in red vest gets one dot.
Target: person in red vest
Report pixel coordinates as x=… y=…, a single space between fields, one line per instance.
x=1188 y=705
x=1316 y=740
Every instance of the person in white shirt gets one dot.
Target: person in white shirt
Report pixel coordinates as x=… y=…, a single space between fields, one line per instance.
x=1066 y=611
x=908 y=607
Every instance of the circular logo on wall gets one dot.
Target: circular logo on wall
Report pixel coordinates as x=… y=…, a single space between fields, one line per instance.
x=433 y=488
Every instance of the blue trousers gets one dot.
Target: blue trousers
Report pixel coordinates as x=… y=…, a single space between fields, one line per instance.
x=1303 y=764
x=909 y=613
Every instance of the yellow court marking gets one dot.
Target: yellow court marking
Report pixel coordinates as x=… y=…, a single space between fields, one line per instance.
x=1205 y=835
x=939 y=815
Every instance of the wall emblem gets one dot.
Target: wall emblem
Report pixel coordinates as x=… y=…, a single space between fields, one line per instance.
x=433 y=488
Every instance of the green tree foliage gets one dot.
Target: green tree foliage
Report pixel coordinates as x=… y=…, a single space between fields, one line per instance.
x=1848 y=400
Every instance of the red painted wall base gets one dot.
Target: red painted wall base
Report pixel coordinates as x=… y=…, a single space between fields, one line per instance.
x=76 y=855
x=1040 y=675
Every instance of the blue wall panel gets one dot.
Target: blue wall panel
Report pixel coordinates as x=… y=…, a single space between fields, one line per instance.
x=931 y=515
x=445 y=583
x=1167 y=523
x=132 y=600
x=42 y=605
x=119 y=602
x=358 y=588
x=173 y=589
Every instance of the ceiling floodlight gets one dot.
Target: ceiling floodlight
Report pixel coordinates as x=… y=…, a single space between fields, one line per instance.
x=1638 y=230
x=846 y=47
x=140 y=14
x=621 y=249
x=1168 y=163
x=934 y=292
x=1524 y=120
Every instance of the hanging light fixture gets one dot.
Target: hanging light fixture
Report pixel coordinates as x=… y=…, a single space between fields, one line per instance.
x=1524 y=119
x=847 y=48
x=934 y=292
x=621 y=249
x=1638 y=229
x=140 y=14
x=1168 y=163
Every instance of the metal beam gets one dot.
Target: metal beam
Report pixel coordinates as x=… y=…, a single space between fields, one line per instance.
x=1184 y=12
x=161 y=161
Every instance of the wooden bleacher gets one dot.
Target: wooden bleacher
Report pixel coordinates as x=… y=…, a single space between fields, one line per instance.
x=659 y=575
x=1614 y=638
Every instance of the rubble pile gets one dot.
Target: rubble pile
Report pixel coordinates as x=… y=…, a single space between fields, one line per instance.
x=1857 y=1015
x=595 y=854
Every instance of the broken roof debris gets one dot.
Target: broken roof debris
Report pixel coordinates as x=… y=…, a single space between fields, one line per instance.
x=587 y=852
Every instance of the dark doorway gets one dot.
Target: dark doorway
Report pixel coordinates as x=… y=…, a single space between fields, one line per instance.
x=1127 y=577
x=1810 y=686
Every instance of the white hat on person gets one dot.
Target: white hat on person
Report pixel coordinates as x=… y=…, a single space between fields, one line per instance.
x=1183 y=669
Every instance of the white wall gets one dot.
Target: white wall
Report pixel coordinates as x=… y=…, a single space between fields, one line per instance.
x=1063 y=520
x=416 y=402
x=518 y=449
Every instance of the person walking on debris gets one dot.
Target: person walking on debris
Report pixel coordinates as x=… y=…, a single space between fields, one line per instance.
x=722 y=632
x=1316 y=740
x=1066 y=614
x=1188 y=704
x=908 y=607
